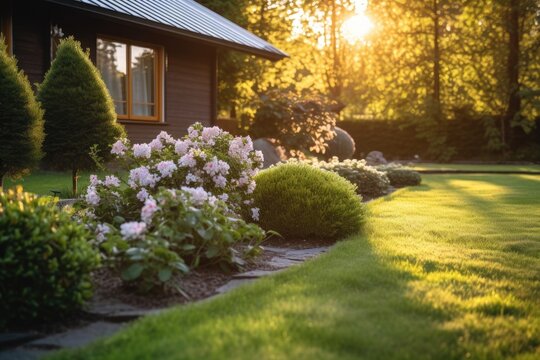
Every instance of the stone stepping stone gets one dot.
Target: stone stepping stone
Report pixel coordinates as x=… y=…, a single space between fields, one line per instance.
x=255 y=274
x=13 y=339
x=118 y=311
x=77 y=337
x=22 y=354
x=233 y=284
x=282 y=263
x=304 y=254
x=275 y=249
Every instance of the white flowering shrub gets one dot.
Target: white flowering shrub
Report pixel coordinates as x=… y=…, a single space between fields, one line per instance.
x=211 y=158
x=175 y=203
x=177 y=230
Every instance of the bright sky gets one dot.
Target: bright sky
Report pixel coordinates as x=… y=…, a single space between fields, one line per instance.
x=354 y=29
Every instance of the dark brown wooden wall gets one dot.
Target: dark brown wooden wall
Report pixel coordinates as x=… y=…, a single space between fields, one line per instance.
x=30 y=39
x=189 y=73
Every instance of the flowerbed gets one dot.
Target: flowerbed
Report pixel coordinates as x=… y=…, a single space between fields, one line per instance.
x=183 y=203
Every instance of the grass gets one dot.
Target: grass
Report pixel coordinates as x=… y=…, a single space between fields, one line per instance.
x=475 y=167
x=446 y=270
x=42 y=182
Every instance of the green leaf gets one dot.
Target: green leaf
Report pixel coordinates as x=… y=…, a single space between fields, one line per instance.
x=181 y=266
x=118 y=220
x=206 y=234
x=212 y=251
x=132 y=272
x=165 y=274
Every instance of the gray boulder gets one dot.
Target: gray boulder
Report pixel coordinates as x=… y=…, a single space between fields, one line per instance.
x=342 y=145
x=272 y=155
x=376 y=158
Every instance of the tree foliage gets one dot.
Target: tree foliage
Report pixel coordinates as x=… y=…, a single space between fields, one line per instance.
x=21 y=119
x=299 y=124
x=79 y=112
x=428 y=62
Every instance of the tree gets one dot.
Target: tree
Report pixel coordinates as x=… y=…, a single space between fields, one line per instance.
x=79 y=112
x=21 y=120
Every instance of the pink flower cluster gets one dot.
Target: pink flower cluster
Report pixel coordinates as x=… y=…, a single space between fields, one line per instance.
x=208 y=163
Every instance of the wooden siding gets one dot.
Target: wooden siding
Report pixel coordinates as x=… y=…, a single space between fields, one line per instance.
x=6 y=14
x=189 y=73
x=30 y=40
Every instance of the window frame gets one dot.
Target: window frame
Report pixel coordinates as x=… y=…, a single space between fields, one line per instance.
x=158 y=76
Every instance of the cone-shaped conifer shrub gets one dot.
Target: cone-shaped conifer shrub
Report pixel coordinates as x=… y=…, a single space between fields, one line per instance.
x=21 y=119
x=79 y=112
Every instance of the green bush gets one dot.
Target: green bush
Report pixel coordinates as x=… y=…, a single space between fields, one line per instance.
x=369 y=181
x=403 y=177
x=300 y=124
x=45 y=260
x=179 y=230
x=299 y=201
x=79 y=112
x=21 y=119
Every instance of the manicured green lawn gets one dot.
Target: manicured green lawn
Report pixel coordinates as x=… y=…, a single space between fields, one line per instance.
x=475 y=167
x=447 y=270
x=42 y=182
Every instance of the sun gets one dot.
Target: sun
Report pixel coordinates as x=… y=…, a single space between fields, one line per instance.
x=356 y=28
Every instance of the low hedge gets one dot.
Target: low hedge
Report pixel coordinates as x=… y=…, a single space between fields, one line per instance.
x=403 y=177
x=369 y=181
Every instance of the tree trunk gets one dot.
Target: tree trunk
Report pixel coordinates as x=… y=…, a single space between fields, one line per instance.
x=262 y=20
x=514 y=100
x=335 y=87
x=75 y=181
x=436 y=58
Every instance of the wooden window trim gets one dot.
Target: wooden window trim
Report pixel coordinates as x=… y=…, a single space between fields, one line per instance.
x=158 y=83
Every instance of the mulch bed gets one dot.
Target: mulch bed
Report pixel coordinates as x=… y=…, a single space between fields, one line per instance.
x=196 y=285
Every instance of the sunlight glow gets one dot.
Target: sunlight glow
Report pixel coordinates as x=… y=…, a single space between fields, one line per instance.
x=356 y=28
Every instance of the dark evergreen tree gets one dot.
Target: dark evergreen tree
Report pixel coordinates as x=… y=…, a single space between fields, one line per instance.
x=21 y=119
x=79 y=112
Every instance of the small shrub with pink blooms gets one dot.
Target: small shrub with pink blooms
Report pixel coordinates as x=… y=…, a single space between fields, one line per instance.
x=177 y=230
x=176 y=203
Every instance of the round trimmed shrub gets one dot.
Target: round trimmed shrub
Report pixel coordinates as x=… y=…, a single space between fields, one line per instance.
x=403 y=177
x=300 y=201
x=45 y=260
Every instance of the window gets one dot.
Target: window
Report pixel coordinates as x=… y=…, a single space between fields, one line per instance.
x=132 y=73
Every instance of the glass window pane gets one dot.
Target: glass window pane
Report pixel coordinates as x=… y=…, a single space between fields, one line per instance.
x=112 y=63
x=143 y=65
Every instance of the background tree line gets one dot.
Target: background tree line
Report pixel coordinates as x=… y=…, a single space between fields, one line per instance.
x=426 y=63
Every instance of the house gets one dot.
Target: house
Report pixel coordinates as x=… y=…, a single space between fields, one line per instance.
x=158 y=58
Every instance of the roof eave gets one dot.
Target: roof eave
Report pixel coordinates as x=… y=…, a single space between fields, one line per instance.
x=270 y=55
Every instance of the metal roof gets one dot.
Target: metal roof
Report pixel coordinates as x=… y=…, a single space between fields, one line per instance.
x=184 y=17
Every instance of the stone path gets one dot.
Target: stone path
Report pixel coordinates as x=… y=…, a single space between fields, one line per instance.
x=114 y=315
